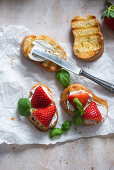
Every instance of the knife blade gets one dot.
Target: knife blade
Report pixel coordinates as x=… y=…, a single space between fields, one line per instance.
x=55 y=59
x=71 y=67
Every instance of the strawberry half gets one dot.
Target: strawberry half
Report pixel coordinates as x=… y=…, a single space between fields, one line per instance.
x=92 y=113
x=45 y=115
x=82 y=97
x=40 y=98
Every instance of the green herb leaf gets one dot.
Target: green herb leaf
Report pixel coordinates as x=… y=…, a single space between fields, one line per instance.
x=63 y=77
x=24 y=106
x=112 y=14
x=79 y=105
x=77 y=112
x=55 y=132
x=108 y=14
x=66 y=126
x=107 y=3
x=27 y=112
x=78 y=120
x=112 y=7
x=104 y=14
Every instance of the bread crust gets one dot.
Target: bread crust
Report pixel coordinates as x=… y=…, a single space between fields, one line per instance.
x=90 y=55
x=77 y=87
x=26 y=47
x=42 y=128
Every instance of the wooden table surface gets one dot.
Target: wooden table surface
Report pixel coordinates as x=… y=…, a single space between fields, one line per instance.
x=54 y=16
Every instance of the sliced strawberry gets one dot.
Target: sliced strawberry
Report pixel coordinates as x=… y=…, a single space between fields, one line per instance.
x=41 y=98
x=45 y=115
x=92 y=113
x=81 y=96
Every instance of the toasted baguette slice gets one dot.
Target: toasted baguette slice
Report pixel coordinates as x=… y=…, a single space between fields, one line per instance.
x=27 y=45
x=78 y=87
x=88 y=40
x=36 y=124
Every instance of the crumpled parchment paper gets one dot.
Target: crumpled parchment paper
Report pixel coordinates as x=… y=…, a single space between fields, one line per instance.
x=17 y=76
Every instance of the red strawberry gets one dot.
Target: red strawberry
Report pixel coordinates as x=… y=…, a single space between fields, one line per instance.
x=40 y=98
x=108 y=15
x=82 y=97
x=92 y=113
x=109 y=22
x=45 y=115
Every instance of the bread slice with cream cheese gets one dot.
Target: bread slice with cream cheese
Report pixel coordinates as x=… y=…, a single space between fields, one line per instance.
x=76 y=88
x=28 y=44
x=34 y=121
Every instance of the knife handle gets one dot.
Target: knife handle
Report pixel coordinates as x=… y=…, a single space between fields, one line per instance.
x=103 y=83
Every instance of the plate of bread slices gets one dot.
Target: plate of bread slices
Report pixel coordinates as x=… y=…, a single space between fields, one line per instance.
x=42 y=102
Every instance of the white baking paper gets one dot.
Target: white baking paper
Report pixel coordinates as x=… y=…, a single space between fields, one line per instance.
x=17 y=76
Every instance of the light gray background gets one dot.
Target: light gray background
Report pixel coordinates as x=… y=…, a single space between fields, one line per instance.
x=94 y=153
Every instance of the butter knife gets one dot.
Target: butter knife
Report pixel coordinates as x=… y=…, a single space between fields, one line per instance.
x=71 y=67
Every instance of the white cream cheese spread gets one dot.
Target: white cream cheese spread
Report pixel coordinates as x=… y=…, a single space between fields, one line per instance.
x=50 y=96
x=101 y=108
x=41 y=46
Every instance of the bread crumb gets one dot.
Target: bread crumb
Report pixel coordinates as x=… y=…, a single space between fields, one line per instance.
x=68 y=19
x=12 y=118
x=81 y=78
x=79 y=132
x=13 y=147
x=11 y=62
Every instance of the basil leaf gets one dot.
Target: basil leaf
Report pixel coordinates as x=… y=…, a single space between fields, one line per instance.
x=108 y=14
x=66 y=126
x=55 y=132
x=27 y=112
x=107 y=3
x=112 y=14
x=79 y=105
x=104 y=14
x=78 y=120
x=24 y=106
x=77 y=112
x=112 y=7
x=63 y=77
